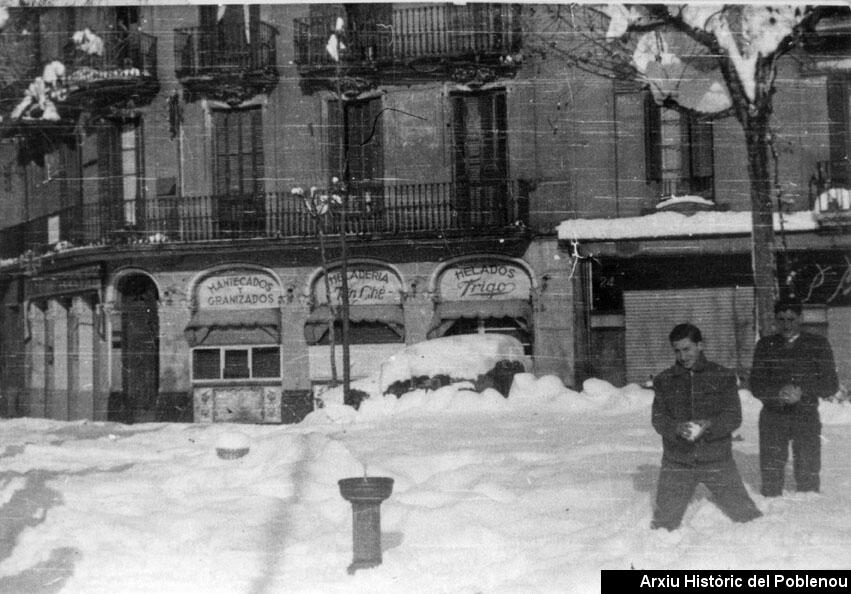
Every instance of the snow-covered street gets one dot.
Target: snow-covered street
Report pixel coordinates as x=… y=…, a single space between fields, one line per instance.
x=534 y=493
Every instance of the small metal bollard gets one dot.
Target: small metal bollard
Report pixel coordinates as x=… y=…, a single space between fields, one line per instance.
x=366 y=493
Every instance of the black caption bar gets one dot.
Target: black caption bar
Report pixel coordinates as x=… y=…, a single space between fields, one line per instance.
x=815 y=582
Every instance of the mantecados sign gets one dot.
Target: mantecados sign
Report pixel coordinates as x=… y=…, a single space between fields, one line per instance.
x=486 y=280
x=369 y=284
x=239 y=289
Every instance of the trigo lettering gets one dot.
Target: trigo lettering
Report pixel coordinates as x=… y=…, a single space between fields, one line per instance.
x=477 y=287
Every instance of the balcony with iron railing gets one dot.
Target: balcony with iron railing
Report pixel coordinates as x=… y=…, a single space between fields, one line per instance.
x=125 y=57
x=415 y=42
x=210 y=63
x=374 y=212
x=115 y=70
x=830 y=193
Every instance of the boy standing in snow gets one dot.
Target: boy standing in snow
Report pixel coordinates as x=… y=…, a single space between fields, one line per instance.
x=791 y=372
x=696 y=409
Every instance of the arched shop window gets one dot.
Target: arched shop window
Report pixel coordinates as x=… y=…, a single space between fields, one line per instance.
x=375 y=306
x=235 y=337
x=484 y=295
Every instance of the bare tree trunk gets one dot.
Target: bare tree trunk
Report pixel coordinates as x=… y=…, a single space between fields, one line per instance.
x=331 y=308
x=764 y=260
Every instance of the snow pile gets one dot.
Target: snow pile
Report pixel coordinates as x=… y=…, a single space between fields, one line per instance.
x=670 y=201
x=528 y=392
x=534 y=493
x=743 y=33
x=672 y=224
x=39 y=98
x=459 y=357
x=88 y=42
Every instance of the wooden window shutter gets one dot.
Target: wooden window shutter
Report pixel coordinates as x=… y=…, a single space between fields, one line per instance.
x=701 y=150
x=373 y=139
x=334 y=138
x=220 y=142
x=259 y=170
x=109 y=166
x=652 y=139
x=837 y=116
x=501 y=120
x=459 y=133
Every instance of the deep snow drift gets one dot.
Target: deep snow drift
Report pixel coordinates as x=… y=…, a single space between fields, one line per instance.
x=534 y=493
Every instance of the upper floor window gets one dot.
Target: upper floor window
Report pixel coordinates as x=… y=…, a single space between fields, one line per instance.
x=679 y=152
x=120 y=168
x=356 y=131
x=480 y=163
x=238 y=147
x=839 y=129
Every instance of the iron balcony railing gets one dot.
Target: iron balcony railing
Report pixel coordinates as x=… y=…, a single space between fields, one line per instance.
x=204 y=52
x=417 y=32
x=384 y=210
x=125 y=54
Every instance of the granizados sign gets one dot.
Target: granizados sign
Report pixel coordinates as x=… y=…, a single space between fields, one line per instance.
x=239 y=290
x=484 y=281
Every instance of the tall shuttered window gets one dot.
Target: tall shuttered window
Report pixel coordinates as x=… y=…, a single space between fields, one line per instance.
x=679 y=152
x=839 y=128
x=357 y=132
x=120 y=171
x=480 y=146
x=239 y=171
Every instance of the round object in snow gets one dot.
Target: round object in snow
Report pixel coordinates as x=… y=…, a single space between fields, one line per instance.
x=232 y=445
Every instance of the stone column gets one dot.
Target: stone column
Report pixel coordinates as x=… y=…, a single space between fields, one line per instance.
x=35 y=360
x=81 y=347
x=56 y=364
x=101 y=363
x=419 y=310
x=554 y=324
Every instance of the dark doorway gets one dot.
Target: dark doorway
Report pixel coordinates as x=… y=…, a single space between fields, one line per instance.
x=136 y=346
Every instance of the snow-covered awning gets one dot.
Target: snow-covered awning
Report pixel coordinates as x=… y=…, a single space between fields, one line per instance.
x=673 y=224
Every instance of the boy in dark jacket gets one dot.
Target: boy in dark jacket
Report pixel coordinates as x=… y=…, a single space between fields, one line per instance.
x=695 y=410
x=791 y=372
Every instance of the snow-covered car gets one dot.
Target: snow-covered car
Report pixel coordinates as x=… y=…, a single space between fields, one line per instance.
x=484 y=360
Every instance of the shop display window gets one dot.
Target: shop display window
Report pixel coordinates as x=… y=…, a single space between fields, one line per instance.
x=237 y=362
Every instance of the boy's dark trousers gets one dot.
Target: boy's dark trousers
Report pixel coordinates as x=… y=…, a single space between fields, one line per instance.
x=678 y=481
x=776 y=430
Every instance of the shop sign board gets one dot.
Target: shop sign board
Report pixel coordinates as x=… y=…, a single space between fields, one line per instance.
x=484 y=280
x=239 y=289
x=368 y=285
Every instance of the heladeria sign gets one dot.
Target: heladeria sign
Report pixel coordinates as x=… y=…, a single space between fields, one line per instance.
x=368 y=284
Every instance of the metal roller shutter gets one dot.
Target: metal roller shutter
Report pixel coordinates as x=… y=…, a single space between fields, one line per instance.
x=724 y=316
